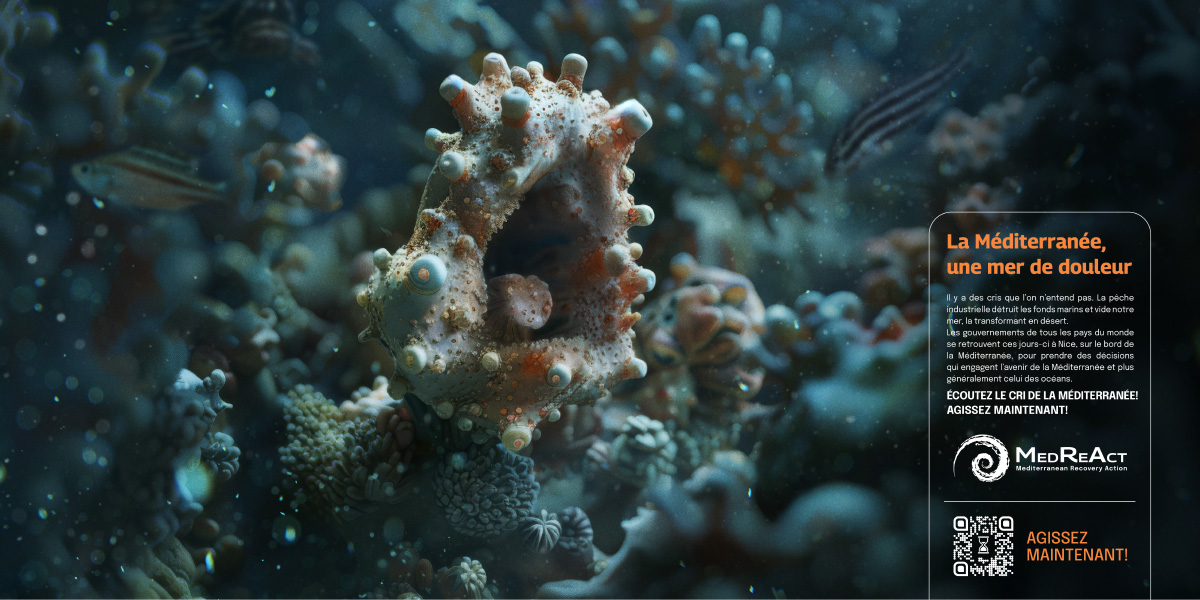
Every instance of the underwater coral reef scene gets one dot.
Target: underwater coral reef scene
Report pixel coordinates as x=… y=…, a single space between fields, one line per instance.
x=555 y=298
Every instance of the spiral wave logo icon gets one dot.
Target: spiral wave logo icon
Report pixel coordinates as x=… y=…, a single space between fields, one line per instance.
x=992 y=461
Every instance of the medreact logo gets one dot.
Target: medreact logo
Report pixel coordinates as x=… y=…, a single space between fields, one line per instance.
x=990 y=464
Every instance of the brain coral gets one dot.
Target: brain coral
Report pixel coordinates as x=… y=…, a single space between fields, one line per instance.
x=485 y=492
x=535 y=185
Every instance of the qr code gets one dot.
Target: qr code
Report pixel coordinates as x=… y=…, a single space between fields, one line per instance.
x=983 y=546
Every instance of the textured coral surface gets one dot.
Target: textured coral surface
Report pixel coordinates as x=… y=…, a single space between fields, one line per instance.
x=544 y=163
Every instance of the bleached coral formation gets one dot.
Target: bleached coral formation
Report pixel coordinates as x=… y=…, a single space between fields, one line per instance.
x=702 y=340
x=485 y=491
x=965 y=143
x=538 y=170
x=108 y=111
x=981 y=207
x=18 y=24
x=855 y=378
x=306 y=173
x=898 y=263
x=707 y=326
x=158 y=484
x=143 y=493
x=819 y=330
x=752 y=125
x=728 y=105
x=26 y=178
x=643 y=452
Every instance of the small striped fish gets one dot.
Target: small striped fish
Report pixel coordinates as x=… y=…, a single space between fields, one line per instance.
x=889 y=113
x=147 y=178
x=229 y=29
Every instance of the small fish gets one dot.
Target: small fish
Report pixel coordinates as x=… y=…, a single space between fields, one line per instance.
x=887 y=114
x=147 y=178
x=230 y=29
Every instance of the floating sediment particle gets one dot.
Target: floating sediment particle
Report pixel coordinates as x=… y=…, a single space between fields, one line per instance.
x=513 y=296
